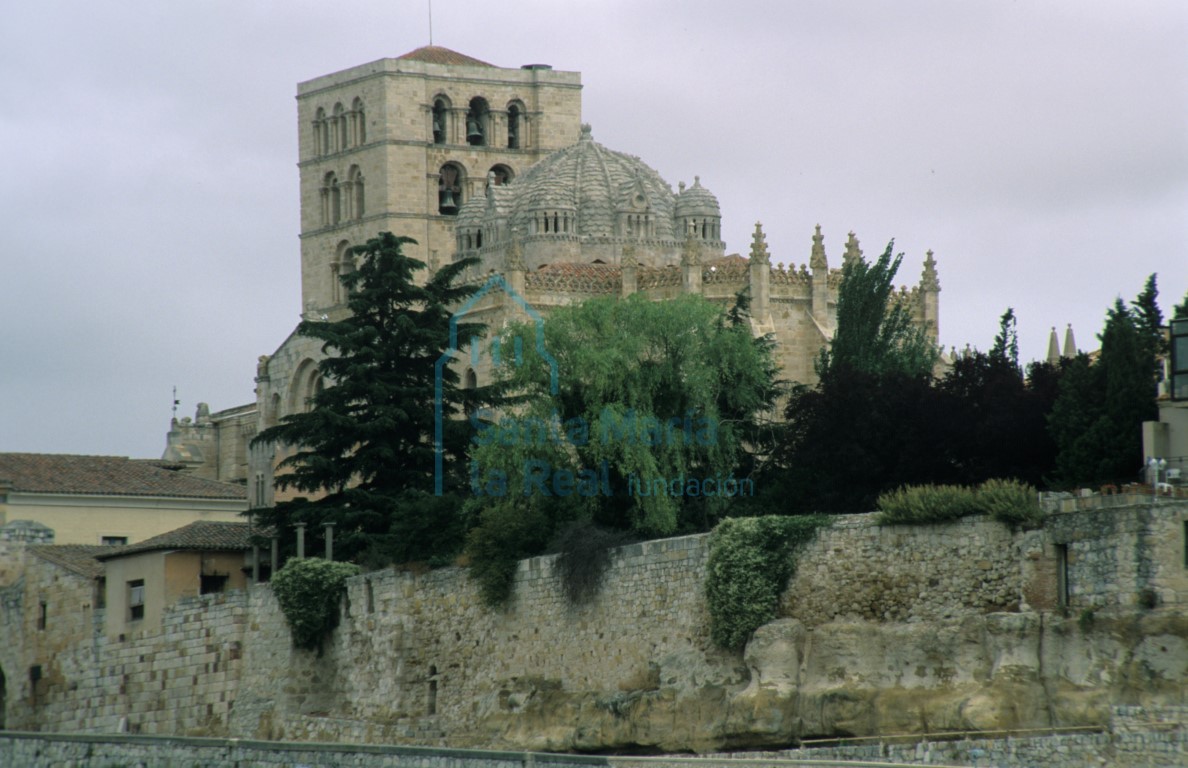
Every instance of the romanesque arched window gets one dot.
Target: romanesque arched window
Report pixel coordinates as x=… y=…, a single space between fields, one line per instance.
x=440 y=126
x=319 y=132
x=343 y=264
x=450 y=180
x=359 y=123
x=515 y=125
x=338 y=128
x=500 y=174
x=354 y=192
x=478 y=124
x=331 y=198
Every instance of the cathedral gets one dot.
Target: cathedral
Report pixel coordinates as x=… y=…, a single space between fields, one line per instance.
x=471 y=159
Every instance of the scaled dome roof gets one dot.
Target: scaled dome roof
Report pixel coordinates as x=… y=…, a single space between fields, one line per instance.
x=595 y=182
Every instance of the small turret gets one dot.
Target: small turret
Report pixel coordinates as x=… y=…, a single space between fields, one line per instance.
x=1053 y=348
x=1070 y=344
x=819 y=264
x=929 y=297
x=760 y=275
x=853 y=252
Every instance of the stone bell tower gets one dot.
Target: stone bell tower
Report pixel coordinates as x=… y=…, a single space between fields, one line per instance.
x=400 y=144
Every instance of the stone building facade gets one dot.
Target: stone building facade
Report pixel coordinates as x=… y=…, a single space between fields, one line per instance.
x=471 y=159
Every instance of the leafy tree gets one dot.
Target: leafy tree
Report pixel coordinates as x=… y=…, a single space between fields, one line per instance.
x=365 y=447
x=656 y=408
x=1006 y=344
x=875 y=332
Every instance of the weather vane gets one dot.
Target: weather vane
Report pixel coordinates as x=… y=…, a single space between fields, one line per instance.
x=175 y=402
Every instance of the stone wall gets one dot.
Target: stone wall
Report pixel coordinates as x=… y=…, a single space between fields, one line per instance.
x=882 y=630
x=859 y=570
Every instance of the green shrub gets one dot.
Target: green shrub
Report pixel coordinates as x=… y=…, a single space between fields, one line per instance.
x=750 y=562
x=923 y=504
x=506 y=533
x=308 y=591
x=1010 y=501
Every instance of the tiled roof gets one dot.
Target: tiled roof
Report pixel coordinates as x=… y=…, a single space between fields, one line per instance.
x=106 y=476
x=595 y=278
x=78 y=558
x=435 y=54
x=203 y=535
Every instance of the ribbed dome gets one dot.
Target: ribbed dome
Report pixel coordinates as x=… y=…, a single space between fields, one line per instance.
x=471 y=213
x=697 y=201
x=597 y=184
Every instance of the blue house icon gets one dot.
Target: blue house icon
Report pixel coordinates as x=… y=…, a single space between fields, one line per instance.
x=495 y=282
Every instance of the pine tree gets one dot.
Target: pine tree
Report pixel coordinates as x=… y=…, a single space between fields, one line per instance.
x=1098 y=415
x=365 y=448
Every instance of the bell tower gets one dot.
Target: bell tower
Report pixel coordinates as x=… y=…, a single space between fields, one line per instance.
x=400 y=144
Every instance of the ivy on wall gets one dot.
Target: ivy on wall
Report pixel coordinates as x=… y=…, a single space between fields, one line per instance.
x=309 y=591
x=750 y=562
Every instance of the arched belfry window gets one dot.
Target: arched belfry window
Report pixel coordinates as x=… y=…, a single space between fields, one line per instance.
x=359 y=123
x=355 y=192
x=449 y=189
x=343 y=264
x=441 y=109
x=477 y=122
x=500 y=174
x=331 y=197
x=338 y=129
x=319 y=132
x=515 y=125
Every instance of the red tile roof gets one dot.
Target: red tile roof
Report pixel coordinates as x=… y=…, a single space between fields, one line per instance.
x=204 y=535
x=106 y=476
x=435 y=54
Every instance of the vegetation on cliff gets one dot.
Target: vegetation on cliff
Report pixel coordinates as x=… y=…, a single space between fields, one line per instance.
x=308 y=591
x=750 y=562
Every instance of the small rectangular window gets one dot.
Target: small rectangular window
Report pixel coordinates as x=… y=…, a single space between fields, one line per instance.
x=212 y=582
x=136 y=600
x=42 y=615
x=113 y=541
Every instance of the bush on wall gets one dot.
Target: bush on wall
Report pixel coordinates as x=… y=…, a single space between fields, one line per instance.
x=1007 y=501
x=308 y=591
x=750 y=562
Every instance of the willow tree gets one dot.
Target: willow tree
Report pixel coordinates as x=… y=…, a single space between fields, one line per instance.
x=647 y=430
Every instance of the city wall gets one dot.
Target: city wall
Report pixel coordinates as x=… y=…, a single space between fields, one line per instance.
x=883 y=630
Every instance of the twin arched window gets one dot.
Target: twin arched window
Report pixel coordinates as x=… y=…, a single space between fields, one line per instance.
x=340 y=128
x=342 y=201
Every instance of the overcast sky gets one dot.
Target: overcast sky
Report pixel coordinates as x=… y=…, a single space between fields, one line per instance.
x=149 y=201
